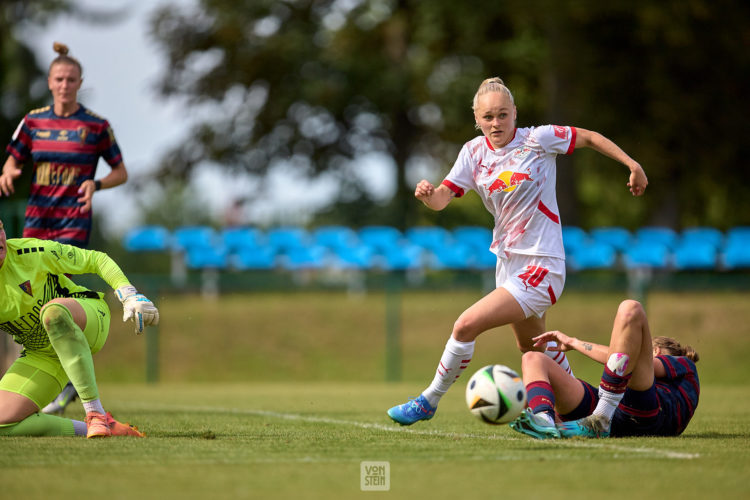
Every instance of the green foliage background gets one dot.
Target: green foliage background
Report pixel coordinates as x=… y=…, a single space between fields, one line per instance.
x=313 y=86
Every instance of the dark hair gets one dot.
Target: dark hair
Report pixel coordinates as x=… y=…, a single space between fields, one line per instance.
x=64 y=58
x=673 y=348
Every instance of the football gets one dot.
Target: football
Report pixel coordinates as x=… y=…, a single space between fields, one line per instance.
x=496 y=394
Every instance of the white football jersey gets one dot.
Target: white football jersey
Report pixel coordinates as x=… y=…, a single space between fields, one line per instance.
x=517 y=185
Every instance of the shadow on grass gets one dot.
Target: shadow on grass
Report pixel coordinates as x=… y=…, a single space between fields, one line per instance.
x=717 y=435
x=206 y=434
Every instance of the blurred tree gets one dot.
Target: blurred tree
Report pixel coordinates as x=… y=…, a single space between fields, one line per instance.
x=23 y=87
x=315 y=85
x=666 y=80
x=311 y=86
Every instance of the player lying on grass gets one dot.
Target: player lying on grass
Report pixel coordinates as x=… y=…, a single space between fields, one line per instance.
x=648 y=388
x=60 y=325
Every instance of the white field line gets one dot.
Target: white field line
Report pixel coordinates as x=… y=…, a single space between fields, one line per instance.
x=604 y=444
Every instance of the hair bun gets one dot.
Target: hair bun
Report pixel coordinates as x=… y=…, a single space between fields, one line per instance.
x=60 y=48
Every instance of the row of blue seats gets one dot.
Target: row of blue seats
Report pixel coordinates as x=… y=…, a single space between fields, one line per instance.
x=695 y=248
x=465 y=247
x=341 y=247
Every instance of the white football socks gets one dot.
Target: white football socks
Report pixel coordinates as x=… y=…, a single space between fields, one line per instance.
x=613 y=385
x=455 y=359
x=559 y=357
x=93 y=405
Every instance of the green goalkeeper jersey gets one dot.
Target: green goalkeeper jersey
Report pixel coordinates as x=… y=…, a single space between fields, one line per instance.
x=34 y=272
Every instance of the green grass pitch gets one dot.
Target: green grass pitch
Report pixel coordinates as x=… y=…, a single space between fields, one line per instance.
x=290 y=440
x=283 y=396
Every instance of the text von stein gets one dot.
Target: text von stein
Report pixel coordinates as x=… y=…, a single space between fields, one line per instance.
x=375 y=475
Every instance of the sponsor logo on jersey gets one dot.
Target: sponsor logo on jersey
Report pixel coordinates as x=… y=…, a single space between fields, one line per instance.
x=51 y=174
x=82 y=133
x=521 y=153
x=560 y=132
x=507 y=181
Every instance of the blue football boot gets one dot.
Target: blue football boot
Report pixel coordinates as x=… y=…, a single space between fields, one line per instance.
x=593 y=426
x=534 y=425
x=414 y=410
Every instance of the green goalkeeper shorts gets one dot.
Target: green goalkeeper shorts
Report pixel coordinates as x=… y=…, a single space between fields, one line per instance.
x=38 y=374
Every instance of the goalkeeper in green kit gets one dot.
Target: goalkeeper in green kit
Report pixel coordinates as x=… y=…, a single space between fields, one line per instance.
x=60 y=325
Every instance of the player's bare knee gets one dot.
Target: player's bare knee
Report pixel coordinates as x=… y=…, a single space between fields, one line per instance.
x=630 y=311
x=532 y=359
x=10 y=416
x=464 y=330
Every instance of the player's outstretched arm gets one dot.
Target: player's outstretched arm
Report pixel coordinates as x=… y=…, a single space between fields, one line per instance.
x=596 y=141
x=597 y=352
x=436 y=198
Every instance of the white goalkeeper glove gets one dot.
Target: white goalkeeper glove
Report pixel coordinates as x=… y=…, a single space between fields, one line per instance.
x=137 y=307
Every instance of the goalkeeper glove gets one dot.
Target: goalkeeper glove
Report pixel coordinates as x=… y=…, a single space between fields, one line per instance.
x=137 y=307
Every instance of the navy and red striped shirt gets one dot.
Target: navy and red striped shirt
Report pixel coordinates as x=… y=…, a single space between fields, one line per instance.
x=665 y=409
x=65 y=152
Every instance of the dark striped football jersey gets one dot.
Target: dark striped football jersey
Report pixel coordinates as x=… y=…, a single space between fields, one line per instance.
x=65 y=152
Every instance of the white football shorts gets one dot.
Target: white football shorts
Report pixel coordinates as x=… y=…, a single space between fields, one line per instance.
x=536 y=282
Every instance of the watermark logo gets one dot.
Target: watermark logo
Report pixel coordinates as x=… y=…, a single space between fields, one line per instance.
x=375 y=476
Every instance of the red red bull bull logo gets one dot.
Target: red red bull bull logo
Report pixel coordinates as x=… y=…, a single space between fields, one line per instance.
x=508 y=181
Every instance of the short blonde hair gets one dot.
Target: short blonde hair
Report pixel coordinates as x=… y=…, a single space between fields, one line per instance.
x=494 y=84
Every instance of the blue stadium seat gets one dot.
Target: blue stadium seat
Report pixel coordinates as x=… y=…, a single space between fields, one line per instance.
x=592 y=255
x=484 y=260
x=287 y=239
x=738 y=235
x=736 y=255
x=429 y=237
x=257 y=258
x=335 y=237
x=147 y=239
x=380 y=238
x=237 y=238
x=479 y=238
x=617 y=237
x=657 y=234
x=188 y=237
x=353 y=257
x=454 y=256
x=401 y=257
x=573 y=237
x=206 y=258
x=653 y=255
x=695 y=255
x=705 y=235
x=304 y=257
